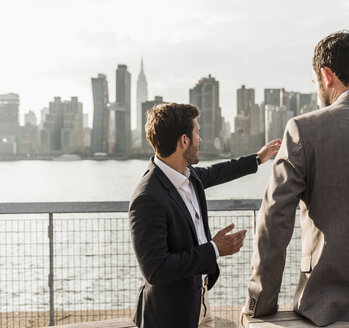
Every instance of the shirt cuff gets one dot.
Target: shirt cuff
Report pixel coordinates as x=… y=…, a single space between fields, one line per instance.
x=215 y=249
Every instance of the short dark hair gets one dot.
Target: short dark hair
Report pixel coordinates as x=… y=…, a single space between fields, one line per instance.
x=166 y=123
x=333 y=52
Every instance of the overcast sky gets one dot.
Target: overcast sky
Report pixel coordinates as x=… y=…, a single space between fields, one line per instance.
x=53 y=47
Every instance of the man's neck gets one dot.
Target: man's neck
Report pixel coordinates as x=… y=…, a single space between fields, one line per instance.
x=175 y=162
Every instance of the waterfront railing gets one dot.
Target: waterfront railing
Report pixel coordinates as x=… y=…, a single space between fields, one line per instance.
x=73 y=262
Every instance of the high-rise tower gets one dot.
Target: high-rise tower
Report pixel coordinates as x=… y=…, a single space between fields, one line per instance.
x=245 y=100
x=123 y=100
x=9 y=116
x=142 y=96
x=99 y=137
x=205 y=95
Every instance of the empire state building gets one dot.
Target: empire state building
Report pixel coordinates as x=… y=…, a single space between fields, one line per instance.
x=142 y=96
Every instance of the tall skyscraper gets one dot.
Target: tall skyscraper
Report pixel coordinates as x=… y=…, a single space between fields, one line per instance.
x=50 y=135
x=72 y=133
x=205 y=95
x=245 y=109
x=9 y=116
x=123 y=99
x=99 y=137
x=245 y=100
x=142 y=96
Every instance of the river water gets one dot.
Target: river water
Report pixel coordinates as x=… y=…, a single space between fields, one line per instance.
x=57 y=181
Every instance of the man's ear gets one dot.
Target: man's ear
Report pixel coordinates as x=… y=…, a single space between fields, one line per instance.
x=183 y=141
x=327 y=76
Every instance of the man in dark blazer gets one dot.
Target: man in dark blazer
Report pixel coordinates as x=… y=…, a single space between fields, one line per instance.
x=169 y=223
x=312 y=169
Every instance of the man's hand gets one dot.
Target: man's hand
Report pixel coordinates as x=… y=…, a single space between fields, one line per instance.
x=269 y=150
x=229 y=244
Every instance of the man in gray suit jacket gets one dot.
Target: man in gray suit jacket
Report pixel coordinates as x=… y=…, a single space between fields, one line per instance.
x=312 y=170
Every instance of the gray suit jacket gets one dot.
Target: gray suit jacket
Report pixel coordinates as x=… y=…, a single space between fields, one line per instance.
x=312 y=169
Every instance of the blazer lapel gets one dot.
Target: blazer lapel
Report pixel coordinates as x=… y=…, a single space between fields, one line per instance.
x=200 y=193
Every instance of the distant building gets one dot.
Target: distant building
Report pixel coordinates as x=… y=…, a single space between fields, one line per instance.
x=242 y=124
x=205 y=95
x=280 y=106
x=117 y=143
x=225 y=136
x=87 y=138
x=308 y=102
x=146 y=147
x=99 y=136
x=272 y=97
x=245 y=100
x=43 y=114
x=30 y=118
x=50 y=135
x=249 y=135
x=276 y=119
x=142 y=96
x=29 y=139
x=292 y=100
x=9 y=117
x=63 y=127
x=87 y=132
x=85 y=120
x=72 y=133
x=123 y=114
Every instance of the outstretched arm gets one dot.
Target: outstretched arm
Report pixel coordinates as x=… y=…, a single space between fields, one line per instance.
x=236 y=168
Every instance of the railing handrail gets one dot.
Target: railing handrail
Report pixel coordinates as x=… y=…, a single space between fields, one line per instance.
x=110 y=207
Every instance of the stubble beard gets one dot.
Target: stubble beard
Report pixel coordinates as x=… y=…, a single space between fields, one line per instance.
x=323 y=95
x=191 y=155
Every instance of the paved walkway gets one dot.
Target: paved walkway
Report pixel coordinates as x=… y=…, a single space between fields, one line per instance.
x=284 y=319
x=115 y=323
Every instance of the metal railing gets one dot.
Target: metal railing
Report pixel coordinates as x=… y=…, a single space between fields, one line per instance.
x=74 y=262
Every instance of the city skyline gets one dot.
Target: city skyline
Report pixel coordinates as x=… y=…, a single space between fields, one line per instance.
x=62 y=129
x=261 y=45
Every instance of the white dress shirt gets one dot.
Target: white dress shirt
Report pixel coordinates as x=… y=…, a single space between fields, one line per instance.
x=186 y=190
x=342 y=95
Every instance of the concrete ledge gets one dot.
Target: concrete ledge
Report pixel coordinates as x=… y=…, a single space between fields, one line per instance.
x=115 y=323
x=284 y=319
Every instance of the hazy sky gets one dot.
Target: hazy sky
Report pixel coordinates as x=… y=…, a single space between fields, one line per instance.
x=53 y=47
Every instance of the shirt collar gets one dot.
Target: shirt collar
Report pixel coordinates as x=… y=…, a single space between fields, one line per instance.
x=342 y=95
x=174 y=176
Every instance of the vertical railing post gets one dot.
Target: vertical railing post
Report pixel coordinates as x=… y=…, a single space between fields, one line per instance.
x=254 y=222
x=51 y=274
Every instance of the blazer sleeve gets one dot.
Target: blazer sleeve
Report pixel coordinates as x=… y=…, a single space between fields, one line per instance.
x=149 y=230
x=275 y=223
x=226 y=171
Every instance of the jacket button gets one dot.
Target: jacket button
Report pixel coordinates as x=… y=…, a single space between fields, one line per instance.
x=252 y=304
